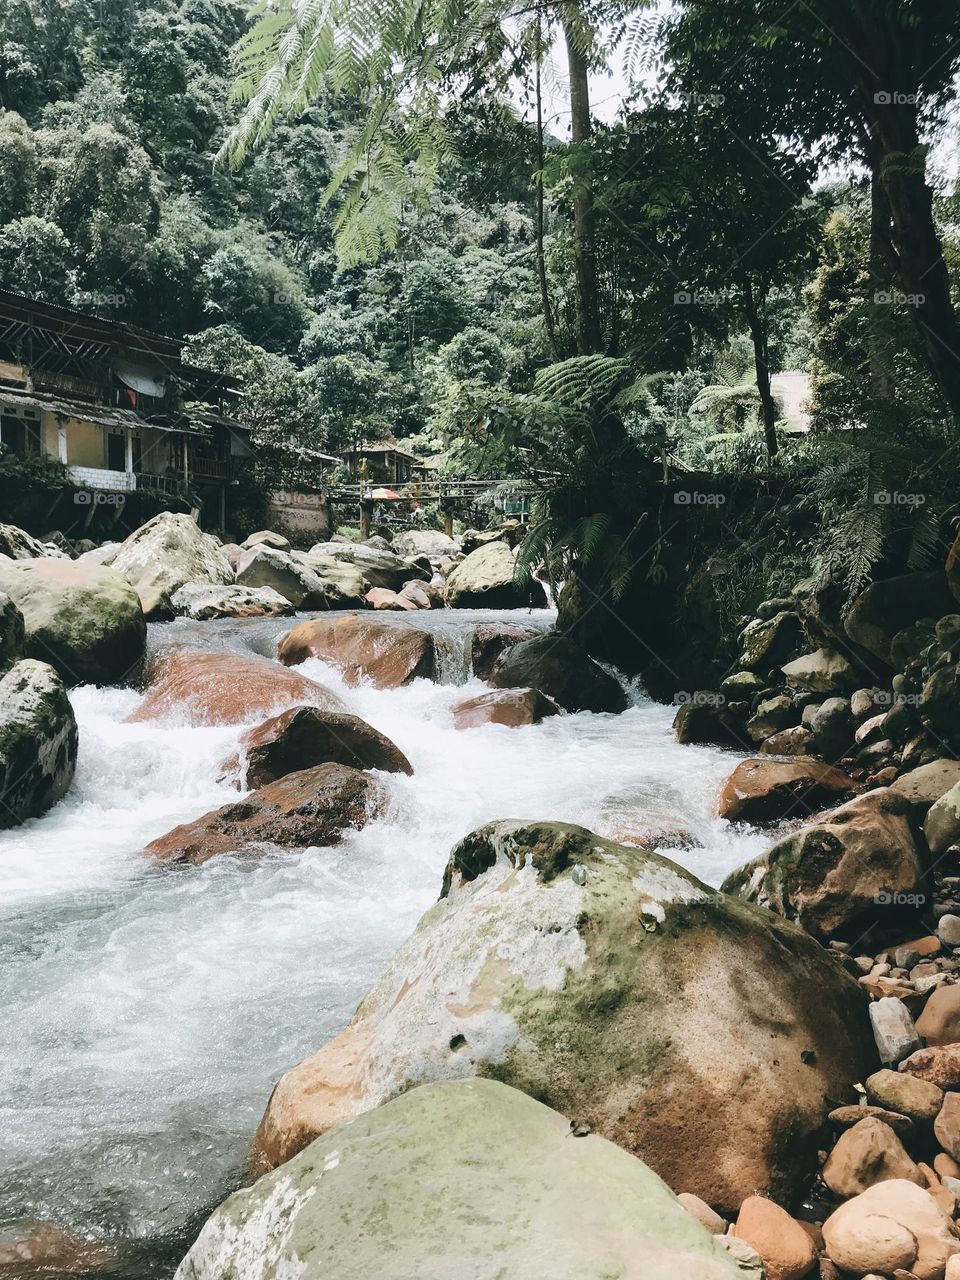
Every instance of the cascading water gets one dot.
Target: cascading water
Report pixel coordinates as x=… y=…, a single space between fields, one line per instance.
x=149 y=1010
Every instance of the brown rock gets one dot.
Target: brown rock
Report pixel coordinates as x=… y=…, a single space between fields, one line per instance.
x=938 y=1064
x=916 y=1099
x=768 y=790
x=847 y=1117
x=203 y=687
x=382 y=598
x=511 y=707
x=926 y=947
x=945 y=1166
x=941 y=1194
x=788 y=742
x=870 y=1152
x=786 y=1249
x=388 y=654
x=312 y=807
x=940 y=1021
x=892 y=1224
x=34 y=1249
x=306 y=736
x=490 y=639
x=706 y=1216
x=946 y=1127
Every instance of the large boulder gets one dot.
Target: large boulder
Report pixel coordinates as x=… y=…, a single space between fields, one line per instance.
x=306 y=736
x=38 y=741
x=767 y=790
x=17 y=544
x=923 y=786
x=312 y=807
x=12 y=633
x=164 y=554
x=197 y=686
x=425 y=542
x=388 y=654
x=560 y=668
x=886 y=608
x=203 y=600
x=941 y=826
x=379 y=567
x=83 y=619
x=823 y=671
x=461 y=1180
x=485 y=580
x=940 y=704
x=294 y=579
x=488 y=641
x=856 y=865
x=766 y=643
x=344 y=584
x=509 y=707
x=892 y=1226
x=699 y=1032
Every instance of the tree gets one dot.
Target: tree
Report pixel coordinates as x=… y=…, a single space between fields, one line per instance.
x=18 y=166
x=37 y=259
x=849 y=80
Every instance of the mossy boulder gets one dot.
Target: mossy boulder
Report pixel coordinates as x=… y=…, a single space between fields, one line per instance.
x=560 y=668
x=83 y=619
x=853 y=867
x=698 y=1032
x=12 y=633
x=164 y=554
x=888 y=607
x=766 y=643
x=378 y=566
x=38 y=741
x=464 y=1180
x=485 y=580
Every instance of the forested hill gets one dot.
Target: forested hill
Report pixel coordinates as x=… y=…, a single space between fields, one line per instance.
x=110 y=201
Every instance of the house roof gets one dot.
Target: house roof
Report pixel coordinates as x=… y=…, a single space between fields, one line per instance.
x=382 y=446
x=107 y=415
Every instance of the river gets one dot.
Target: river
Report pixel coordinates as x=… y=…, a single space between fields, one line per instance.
x=149 y=1011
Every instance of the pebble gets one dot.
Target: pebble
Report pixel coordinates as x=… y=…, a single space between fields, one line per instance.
x=905 y=957
x=786 y=1250
x=893 y=1030
x=700 y=1210
x=863 y=963
x=948 y=928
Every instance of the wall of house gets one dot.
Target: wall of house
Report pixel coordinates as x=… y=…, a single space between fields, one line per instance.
x=49 y=437
x=85 y=444
x=155 y=451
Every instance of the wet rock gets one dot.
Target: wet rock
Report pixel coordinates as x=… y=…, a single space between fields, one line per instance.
x=891 y=1225
x=868 y=1153
x=376 y=566
x=381 y=598
x=561 y=669
x=38 y=741
x=785 y=1248
x=202 y=600
x=485 y=580
x=928 y=783
x=942 y=823
x=20 y=545
x=771 y=715
x=198 y=686
x=385 y=653
x=306 y=736
x=768 y=643
x=83 y=619
x=824 y=671
x=938 y=1064
x=948 y=930
x=489 y=640
x=767 y=790
x=887 y=607
x=35 y=1249
x=940 y=1021
x=266 y=538
x=797 y=741
x=510 y=707
x=450 y=1180
x=292 y=578
x=613 y=985
x=893 y=1030
x=707 y=717
x=312 y=807
x=832 y=728
x=166 y=553
x=853 y=867
x=12 y=633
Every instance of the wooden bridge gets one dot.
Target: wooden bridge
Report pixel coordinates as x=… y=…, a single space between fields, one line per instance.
x=452 y=495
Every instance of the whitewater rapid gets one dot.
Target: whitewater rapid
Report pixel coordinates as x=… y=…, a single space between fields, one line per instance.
x=149 y=1011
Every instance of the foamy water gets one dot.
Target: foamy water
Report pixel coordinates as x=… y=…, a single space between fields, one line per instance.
x=149 y=1010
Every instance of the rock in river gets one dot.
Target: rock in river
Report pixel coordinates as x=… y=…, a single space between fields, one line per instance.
x=306 y=736
x=616 y=987
x=164 y=554
x=311 y=807
x=38 y=741
x=83 y=619
x=510 y=707
x=462 y=1180
x=560 y=668
x=202 y=600
x=389 y=654
x=199 y=686
x=485 y=580
x=767 y=790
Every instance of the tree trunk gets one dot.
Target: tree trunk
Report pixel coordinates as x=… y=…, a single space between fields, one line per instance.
x=541 y=263
x=758 y=332
x=880 y=276
x=589 y=334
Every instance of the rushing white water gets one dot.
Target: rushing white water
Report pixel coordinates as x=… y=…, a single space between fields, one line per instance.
x=148 y=1011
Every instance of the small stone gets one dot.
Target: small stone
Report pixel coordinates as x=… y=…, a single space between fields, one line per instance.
x=784 y=1247
x=905 y=957
x=847 y=1117
x=901 y=1093
x=868 y=1153
x=940 y=1021
x=937 y=1064
x=706 y=1216
x=944 y=1197
x=893 y=1030
x=948 y=929
x=749 y=1262
x=861 y=702
x=923 y=985
x=946 y=1127
x=953 y=1268
x=946 y=1166
x=863 y=963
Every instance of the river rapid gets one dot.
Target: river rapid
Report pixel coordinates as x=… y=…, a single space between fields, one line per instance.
x=148 y=1012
